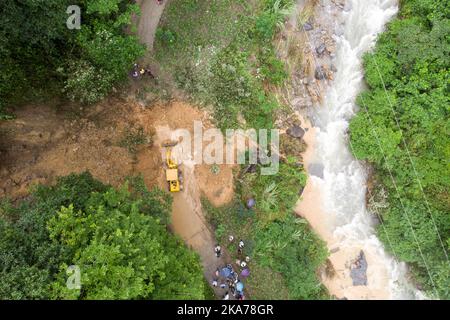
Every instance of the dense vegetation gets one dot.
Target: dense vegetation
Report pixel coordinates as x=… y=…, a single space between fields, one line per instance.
x=117 y=238
x=403 y=129
x=40 y=57
x=286 y=254
x=221 y=54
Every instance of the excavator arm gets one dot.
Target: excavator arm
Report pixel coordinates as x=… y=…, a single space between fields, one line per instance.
x=173 y=174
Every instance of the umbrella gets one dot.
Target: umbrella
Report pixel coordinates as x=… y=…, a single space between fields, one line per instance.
x=251 y=203
x=245 y=272
x=239 y=286
x=225 y=272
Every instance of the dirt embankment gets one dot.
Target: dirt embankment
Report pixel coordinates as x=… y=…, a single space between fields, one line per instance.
x=44 y=142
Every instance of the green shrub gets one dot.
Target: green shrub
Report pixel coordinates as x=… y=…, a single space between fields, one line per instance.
x=287 y=246
x=272 y=68
x=117 y=238
x=265 y=26
x=41 y=57
x=85 y=83
x=166 y=36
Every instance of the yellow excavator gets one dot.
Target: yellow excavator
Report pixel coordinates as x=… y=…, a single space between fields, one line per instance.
x=173 y=173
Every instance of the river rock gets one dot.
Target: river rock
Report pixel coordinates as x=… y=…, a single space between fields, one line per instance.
x=334 y=250
x=320 y=73
x=358 y=271
x=348 y=6
x=321 y=49
x=316 y=169
x=333 y=68
x=308 y=26
x=296 y=131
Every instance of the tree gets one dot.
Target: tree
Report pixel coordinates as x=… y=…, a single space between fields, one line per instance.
x=115 y=237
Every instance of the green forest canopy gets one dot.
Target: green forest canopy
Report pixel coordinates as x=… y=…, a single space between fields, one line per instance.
x=403 y=129
x=117 y=238
x=41 y=57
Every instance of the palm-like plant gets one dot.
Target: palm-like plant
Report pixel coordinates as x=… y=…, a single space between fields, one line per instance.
x=270 y=198
x=281 y=9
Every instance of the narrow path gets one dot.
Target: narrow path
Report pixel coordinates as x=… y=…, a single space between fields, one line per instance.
x=148 y=21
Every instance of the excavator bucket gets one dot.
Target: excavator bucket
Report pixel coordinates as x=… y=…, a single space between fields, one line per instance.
x=169 y=144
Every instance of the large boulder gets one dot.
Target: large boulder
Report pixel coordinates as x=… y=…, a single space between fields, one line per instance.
x=296 y=131
x=316 y=169
x=321 y=49
x=358 y=270
x=320 y=73
x=308 y=26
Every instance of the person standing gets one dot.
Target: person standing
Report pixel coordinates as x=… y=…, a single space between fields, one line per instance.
x=241 y=246
x=218 y=250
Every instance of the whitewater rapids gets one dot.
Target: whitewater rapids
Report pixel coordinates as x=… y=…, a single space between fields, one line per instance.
x=334 y=200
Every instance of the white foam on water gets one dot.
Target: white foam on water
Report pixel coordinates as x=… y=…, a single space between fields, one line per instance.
x=343 y=187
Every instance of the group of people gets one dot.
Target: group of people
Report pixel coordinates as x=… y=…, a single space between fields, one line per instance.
x=231 y=280
x=140 y=72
